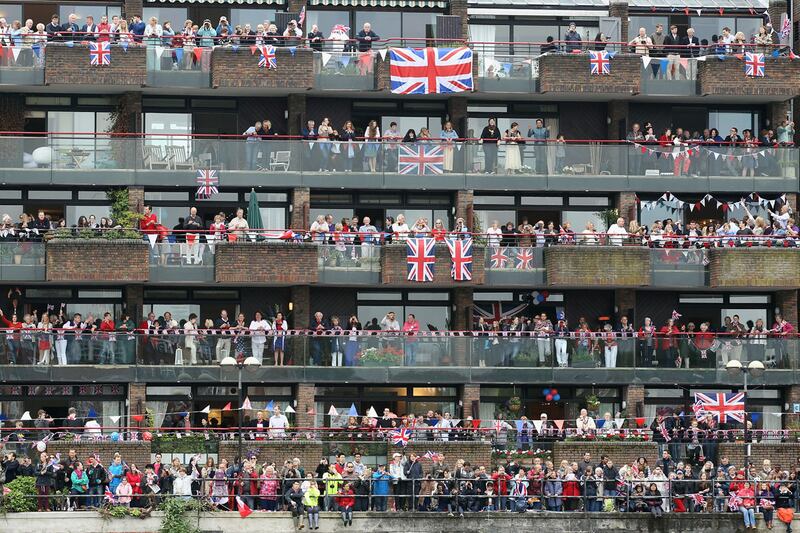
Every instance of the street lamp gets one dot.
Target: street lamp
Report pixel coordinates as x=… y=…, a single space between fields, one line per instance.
x=756 y=369
x=250 y=363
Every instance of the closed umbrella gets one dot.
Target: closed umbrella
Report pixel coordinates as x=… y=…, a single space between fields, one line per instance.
x=254 y=213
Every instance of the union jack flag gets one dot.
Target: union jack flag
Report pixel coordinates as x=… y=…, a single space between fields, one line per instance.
x=421 y=258
x=109 y=496
x=461 y=254
x=754 y=64
x=664 y=433
x=400 y=437
x=765 y=503
x=499 y=258
x=433 y=456
x=100 y=53
x=430 y=70
x=267 y=58
x=420 y=159
x=524 y=259
x=600 y=62
x=207 y=181
x=498 y=312
x=734 y=502
x=722 y=405
x=699 y=500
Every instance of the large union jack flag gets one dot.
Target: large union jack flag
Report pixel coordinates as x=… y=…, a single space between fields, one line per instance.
x=498 y=312
x=420 y=159
x=524 y=259
x=400 y=437
x=499 y=257
x=267 y=58
x=722 y=405
x=754 y=64
x=430 y=70
x=600 y=62
x=207 y=181
x=421 y=258
x=100 y=53
x=461 y=255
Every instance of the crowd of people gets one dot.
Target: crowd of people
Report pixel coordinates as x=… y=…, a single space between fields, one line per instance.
x=411 y=482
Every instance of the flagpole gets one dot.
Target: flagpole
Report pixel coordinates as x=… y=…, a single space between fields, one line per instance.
x=252 y=364
x=735 y=367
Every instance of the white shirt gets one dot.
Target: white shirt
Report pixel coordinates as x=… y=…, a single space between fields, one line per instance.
x=390 y=325
x=279 y=422
x=401 y=231
x=616 y=229
x=495 y=234
x=92 y=427
x=189 y=329
x=260 y=327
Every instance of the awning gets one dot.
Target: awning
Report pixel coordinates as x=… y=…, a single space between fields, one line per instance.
x=382 y=3
x=705 y=5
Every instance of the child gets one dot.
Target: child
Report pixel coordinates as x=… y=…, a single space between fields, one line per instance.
x=561 y=153
x=346 y=502
x=124 y=493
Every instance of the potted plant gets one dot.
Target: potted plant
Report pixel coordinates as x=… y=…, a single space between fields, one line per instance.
x=514 y=404
x=592 y=402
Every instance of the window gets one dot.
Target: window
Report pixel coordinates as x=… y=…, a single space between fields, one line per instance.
x=273 y=217
x=589 y=201
x=485 y=218
x=100 y=294
x=493 y=200
x=533 y=34
x=749 y=299
x=174 y=123
x=156 y=196
x=649 y=24
x=385 y=23
x=10 y=195
x=97 y=147
x=338 y=214
x=579 y=219
x=417 y=26
x=380 y=296
x=265 y=197
x=50 y=195
x=488 y=35
x=542 y=200
x=174 y=15
x=326 y=20
x=725 y=120
x=254 y=17
x=74 y=212
x=92 y=195
x=95 y=10
x=11 y=12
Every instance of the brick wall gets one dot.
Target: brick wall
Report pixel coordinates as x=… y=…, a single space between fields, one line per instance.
x=131 y=452
x=136 y=199
x=260 y=262
x=567 y=73
x=304 y=394
x=786 y=301
x=470 y=400
x=783 y=454
x=137 y=400
x=394 y=270
x=301 y=301
x=66 y=65
x=462 y=316
x=634 y=400
x=625 y=302
x=626 y=205
x=619 y=452
x=618 y=111
x=619 y=8
x=301 y=205
x=382 y=79
x=726 y=78
x=96 y=260
x=240 y=69
x=309 y=452
x=464 y=208
x=586 y=266
x=459 y=8
x=734 y=267
x=476 y=453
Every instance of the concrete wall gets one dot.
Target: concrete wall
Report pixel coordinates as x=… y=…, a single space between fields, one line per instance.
x=89 y=522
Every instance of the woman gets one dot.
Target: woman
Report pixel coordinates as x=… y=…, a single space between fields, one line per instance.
x=240 y=331
x=748 y=159
x=600 y=41
x=80 y=484
x=258 y=335
x=784 y=503
x=747 y=507
x=647 y=343
x=337 y=343
x=269 y=485
x=763 y=41
x=448 y=136
x=766 y=502
x=134 y=478
x=348 y=136
x=410 y=136
x=124 y=493
x=351 y=347
x=311 y=503
x=190 y=341
x=279 y=327
x=420 y=229
x=123 y=34
x=153 y=32
x=372 y=144
x=513 y=138
x=45 y=341
x=654 y=501
x=757 y=345
x=324 y=132
x=45 y=478
x=116 y=471
x=438 y=232
x=346 y=500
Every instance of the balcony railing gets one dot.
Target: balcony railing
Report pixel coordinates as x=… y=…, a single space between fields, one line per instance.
x=586 y=350
x=22 y=65
x=178 y=67
x=508 y=73
x=184 y=258
x=350 y=263
x=22 y=261
x=281 y=161
x=353 y=71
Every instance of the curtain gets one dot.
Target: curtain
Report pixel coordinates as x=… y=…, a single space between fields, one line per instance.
x=159 y=410
x=486 y=410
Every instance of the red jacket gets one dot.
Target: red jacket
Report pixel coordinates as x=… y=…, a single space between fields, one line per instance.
x=703 y=340
x=136 y=482
x=501 y=483
x=107 y=325
x=668 y=337
x=747 y=496
x=347 y=498
x=148 y=223
x=13 y=325
x=570 y=488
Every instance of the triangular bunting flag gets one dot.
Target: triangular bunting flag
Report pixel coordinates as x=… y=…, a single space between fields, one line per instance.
x=198 y=53
x=289 y=409
x=227 y=407
x=152 y=237
x=559 y=424
x=353 y=411
x=246 y=404
x=206 y=409
x=159 y=51
x=70 y=44
x=619 y=422
x=538 y=425
x=114 y=418
x=235 y=48
x=371 y=413
x=270 y=406
x=253 y=49
x=124 y=45
x=15 y=50
x=179 y=54
x=332 y=411
x=25 y=416
x=599 y=423
x=646 y=61
x=699 y=11
x=292 y=50
x=382 y=53
x=518 y=423
x=244 y=510
x=325 y=58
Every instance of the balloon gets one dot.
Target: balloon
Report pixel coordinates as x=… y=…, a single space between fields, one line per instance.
x=553 y=392
x=41 y=446
x=557 y=397
x=545 y=392
x=114 y=437
x=549 y=397
x=540 y=298
x=545 y=294
x=147 y=436
x=535 y=295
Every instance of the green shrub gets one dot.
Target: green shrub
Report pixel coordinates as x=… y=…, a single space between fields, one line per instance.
x=22 y=497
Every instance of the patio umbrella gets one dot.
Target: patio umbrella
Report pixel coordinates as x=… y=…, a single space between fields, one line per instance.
x=254 y=213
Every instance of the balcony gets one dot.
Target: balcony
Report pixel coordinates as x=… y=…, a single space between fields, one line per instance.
x=176 y=67
x=22 y=261
x=68 y=64
x=512 y=266
x=658 y=80
x=349 y=264
x=164 y=356
x=508 y=73
x=282 y=162
x=96 y=260
x=188 y=261
x=344 y=71
x=22 y=66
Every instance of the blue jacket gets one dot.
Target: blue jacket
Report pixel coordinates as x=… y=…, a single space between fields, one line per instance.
x=380 y=483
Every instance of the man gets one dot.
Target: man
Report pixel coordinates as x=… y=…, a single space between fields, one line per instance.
x=573 y=39
x=691 y=49
x=586 y=462
x=381 y=484
x=74 y=343
x=540 y=134
x=318 y=345
x=10 y=465
x=224 y=25
x=365 y=38
x=490 y=136
x=414 y=473
x=584 y=423
x=278 y=424
x=53 y=29
x=70 y=30
x=672 y=44
x=369 y=236
x=238 y=224
x=641 y=43
x=634 y=154
x=732 y=140
x=657 y=40
x=617 y=233
x=666 y=463
x=392 y=134
x=136 y=27
x=726 y=39
x=193 y=250
x=358 y=466
x=251 y=144
x=309 y=134
x=340 y=463
x=89 y=29
x=390 y=322
x=223 y=348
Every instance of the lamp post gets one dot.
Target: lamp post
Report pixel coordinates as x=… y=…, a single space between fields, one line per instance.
x=251 y=363
x=756 y=369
